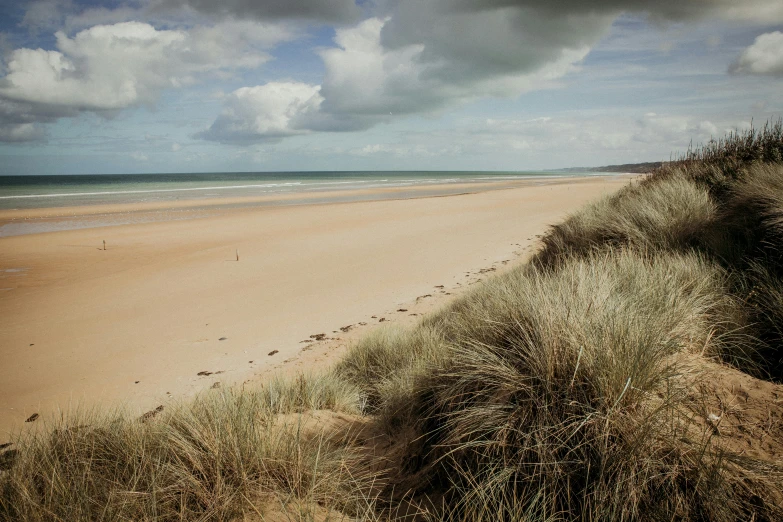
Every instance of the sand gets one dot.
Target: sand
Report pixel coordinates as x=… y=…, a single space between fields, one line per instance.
x=135 y=324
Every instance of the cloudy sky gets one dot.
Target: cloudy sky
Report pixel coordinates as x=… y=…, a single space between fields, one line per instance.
x=269 y=85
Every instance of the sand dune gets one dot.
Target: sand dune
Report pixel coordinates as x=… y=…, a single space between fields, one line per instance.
x=136 y=323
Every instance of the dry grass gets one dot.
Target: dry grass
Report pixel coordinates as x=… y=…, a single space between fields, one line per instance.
x=720 y=163
x=568 y=388
x=672 y=214
x=559 y=395
x=219 y=457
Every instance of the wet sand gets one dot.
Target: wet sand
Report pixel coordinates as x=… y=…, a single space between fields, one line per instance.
x=136 y=323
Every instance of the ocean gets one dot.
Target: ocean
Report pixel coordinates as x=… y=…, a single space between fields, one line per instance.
x=226 y=190
x=22 y=192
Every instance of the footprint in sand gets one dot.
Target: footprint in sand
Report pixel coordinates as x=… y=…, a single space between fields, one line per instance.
x=150 y=414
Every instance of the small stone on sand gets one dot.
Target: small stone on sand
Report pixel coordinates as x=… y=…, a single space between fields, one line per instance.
x=222 y=338
x=32 y=418
x=273 y=352
x=402 y=309
x=204 y=373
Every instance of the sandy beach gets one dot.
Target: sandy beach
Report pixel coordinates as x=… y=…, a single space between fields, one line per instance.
x=136 y=323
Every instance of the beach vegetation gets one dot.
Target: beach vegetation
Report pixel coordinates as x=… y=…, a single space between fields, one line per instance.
x=631 y=370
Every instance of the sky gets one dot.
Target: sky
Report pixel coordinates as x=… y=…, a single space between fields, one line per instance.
x=144 y=86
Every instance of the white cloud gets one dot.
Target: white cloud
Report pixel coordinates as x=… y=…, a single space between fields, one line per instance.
x=115 y=66
x=366 y=84
x=269 y=111
x=19 y=132
x=652 y=135
x=421 y=57
x=765 y=56
x=111 y=67
x=374 y=71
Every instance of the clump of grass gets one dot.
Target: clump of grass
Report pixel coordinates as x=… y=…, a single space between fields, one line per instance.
x=719 y=163
x=387 y=356
x=671 y=215
x=610 y=287
x=561 y=395
x=219 y=457
x=676 y=207
x=563 y=389
x=752 y=219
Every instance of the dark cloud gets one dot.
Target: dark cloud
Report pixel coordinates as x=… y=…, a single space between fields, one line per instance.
x=464 y=45
x=418 y=57
x=19 y=133
x=673 y=10
x=334 y=11
x=21 y=122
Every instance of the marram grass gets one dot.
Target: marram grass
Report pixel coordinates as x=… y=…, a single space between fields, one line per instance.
x=559 y=390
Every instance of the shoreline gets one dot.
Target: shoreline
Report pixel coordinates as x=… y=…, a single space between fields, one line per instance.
x=22 y=221
x=81 y=326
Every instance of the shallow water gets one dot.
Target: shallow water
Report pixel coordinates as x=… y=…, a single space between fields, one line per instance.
x=24 y=192
x=236 y=190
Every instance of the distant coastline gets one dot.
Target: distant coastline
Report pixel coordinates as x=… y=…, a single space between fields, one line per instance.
x=631 y=168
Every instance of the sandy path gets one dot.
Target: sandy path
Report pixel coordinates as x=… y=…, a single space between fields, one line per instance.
x=79 y=325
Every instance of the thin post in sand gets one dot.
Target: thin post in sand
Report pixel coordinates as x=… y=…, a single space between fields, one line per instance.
x=104 y=244
x=237 y=254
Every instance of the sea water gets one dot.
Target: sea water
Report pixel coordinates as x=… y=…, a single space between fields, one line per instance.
x=237 y=189
x=31 y=191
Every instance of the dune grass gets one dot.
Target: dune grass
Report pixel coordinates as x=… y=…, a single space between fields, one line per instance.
x=558 y=394
x=718 y=164
x=673 y=214
x=561 y=389
x=221 y=456
x=558 y=390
